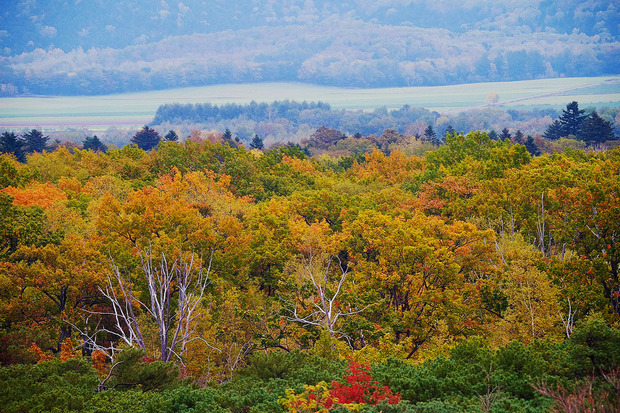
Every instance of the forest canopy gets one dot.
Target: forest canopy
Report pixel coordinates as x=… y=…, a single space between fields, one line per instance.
x=476 y=276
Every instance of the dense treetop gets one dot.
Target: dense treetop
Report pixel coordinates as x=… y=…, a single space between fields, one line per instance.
x=469 y=276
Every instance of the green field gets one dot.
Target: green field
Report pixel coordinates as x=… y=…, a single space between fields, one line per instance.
x=136 y=109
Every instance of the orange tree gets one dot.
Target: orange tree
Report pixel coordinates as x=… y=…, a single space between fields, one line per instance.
x=592 y=211
x=51 y=263
x=55 y=282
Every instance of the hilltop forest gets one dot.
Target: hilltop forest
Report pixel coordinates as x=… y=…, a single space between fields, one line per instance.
x=141 y=45
x=206 y=276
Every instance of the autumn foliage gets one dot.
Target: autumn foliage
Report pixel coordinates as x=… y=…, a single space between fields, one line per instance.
x=359 y=388
x=198 y=257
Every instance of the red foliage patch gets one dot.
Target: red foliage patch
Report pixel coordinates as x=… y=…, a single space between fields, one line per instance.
x=360 y=388
x=147 y=359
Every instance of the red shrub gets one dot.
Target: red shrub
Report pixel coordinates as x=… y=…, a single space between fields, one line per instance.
x=360 y=388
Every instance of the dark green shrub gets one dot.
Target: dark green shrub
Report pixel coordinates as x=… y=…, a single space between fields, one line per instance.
x=594 y=347
x=51 y=386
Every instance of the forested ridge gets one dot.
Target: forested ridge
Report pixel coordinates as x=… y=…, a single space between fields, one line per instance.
x=133 y=46
x=206 y=276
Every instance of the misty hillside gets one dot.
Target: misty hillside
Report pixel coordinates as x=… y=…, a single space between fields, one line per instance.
x=100 y=47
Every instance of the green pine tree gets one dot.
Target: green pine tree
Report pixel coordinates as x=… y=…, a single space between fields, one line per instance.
x=171 y=136
x=531 y=146
x=257 y=143
x=450 y=131
x=519 y=136
x=11 y=143
x=35 y=141
x=571 y=119
x=554 y=131
x=146 y=138
x=596 y=129
x=94 y=144
x=505 y=135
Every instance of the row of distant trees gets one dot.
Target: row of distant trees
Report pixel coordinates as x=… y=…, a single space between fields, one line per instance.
x=148 y=138
x=573 y=123
x=280 y=120
x=19 y=145
x=206 y=112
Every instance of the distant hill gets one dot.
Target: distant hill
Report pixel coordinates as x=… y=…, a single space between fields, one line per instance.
x=101 y=47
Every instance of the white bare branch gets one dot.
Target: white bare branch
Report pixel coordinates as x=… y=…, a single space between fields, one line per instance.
x=327 y=310
x=569 y=320
x=185 y=277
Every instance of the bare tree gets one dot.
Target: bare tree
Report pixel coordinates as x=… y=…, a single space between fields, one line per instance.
x=540 y=226
x=492 y=395
x=184 y=279
x=326 y=309
x=234 y=356
x=584 y=398
x=569 y=320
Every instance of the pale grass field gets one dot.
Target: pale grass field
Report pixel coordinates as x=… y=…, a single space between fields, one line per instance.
x=136 y=109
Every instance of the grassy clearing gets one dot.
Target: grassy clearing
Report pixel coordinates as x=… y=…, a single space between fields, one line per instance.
x=136 y=109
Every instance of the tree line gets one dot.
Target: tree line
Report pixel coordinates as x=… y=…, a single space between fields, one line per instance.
x=116 y=27
x=572 y=128
x=412 y=134
x=249 y=120
x=206 y=112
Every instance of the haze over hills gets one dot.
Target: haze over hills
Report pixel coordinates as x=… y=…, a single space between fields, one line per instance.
x=101 y=47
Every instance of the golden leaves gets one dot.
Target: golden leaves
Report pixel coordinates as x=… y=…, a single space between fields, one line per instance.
x=392 y=169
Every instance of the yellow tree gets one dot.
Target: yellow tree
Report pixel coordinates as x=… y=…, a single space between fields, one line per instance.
x=321 y=276
x=271 y=245
x=55 y=283
x=390 y=170
x=567 y=207
x=54 y=264
x=532 y=298
x=422 y=271
x=593 y=209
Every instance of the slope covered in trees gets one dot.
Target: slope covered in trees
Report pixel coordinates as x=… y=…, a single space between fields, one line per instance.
x=475 y=277
x=31 y=25
x=345 y=44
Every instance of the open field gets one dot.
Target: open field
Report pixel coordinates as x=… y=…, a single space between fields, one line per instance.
x=136 y=109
